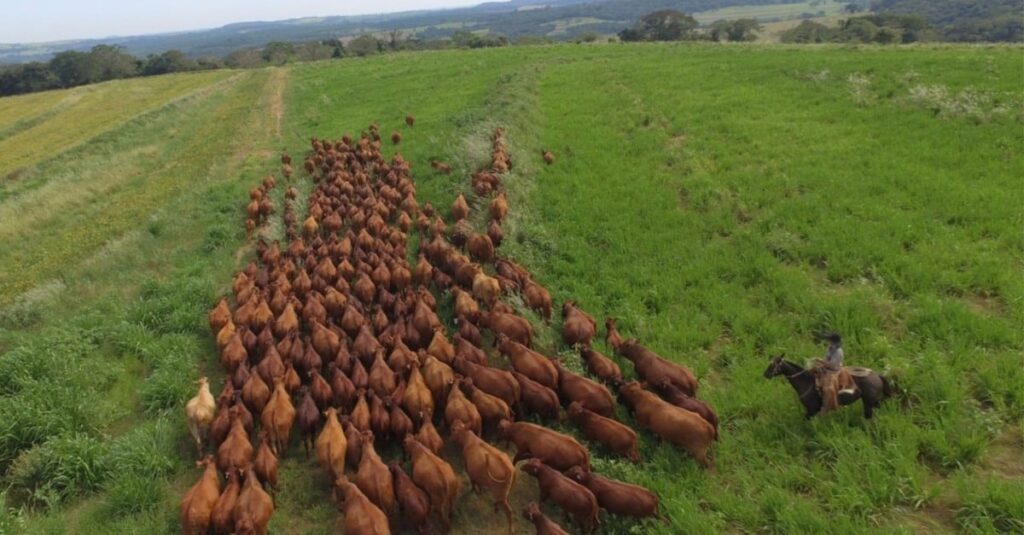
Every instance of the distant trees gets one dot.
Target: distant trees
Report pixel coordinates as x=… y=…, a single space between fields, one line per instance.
x=364 y=45
x=166 y=63
x=662 y=25
x=734 y=30
x=464 y=39
x=961 y=20
x=880 y=29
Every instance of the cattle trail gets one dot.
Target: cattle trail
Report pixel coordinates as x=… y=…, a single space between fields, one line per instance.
x=340 y=326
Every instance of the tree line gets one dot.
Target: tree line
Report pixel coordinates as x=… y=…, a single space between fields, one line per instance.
x=107 y=62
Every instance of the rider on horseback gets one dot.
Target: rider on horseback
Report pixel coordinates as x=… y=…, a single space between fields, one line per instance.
x=831 y=377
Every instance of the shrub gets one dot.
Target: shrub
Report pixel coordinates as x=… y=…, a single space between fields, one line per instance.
x=60 y=468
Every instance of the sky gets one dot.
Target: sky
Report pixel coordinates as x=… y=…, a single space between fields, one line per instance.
x=31 y=21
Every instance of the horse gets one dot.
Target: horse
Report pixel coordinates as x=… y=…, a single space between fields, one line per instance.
x=872 y=388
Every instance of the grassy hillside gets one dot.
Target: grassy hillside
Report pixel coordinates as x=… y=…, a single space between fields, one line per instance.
x=726 y=203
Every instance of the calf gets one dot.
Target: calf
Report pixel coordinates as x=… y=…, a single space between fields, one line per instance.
x=574 y=498
x=610 y=433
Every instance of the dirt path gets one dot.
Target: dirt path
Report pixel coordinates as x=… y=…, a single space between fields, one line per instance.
x=278 y=82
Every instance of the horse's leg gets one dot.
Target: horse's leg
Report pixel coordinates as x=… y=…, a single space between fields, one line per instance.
x=869 y=408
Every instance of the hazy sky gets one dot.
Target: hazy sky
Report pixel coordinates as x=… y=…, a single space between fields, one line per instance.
x=25 y=21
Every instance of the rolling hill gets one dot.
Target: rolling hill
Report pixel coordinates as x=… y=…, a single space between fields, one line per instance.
x=561 y=19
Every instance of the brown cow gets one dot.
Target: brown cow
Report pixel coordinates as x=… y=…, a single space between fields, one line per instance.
x=538 y=299
x=612 y=434
x=592 y=395
x=684 y=429
x=434 y=475
x=429 y=436
x=265 y=463
x=465 y=305
x=551 y=447
x=219 y=316
x=308 y=418
x=480 y=247
x=255 y=393
x=512 y=326
x=362 y=517
x=674 y=395
x=486 y=288
x=549 y=157
x=492 y=408
x=222 y=520
x=459 y=408
x=418 y=399
x=574 y=498
x=460 y=208
x=487 y=466
x=253 y=507
x=616 y=497
x=373 y=477
x=528 y=362
x=654 y=369
x=578 y=327
x=236 y=450
x=197 y=505
x=332 y=445
x=542 y=524
x=410 y=120
x=538 y=398
x=499 y=207
x=277 y=418
x=437 y=375
x=603 y=367
x=413 y=501
x=496 y=382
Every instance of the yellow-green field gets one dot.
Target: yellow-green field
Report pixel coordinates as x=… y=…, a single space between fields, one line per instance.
x=771 y=12
x=726 y=203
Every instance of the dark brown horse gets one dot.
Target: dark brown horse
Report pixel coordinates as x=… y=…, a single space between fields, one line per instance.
x=872 y=388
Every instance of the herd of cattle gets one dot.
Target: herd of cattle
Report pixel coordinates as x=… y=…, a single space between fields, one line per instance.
x=337 y=336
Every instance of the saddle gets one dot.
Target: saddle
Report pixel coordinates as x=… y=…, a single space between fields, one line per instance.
x=858 y=371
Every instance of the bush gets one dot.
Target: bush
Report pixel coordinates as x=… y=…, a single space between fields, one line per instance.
x=60 y=468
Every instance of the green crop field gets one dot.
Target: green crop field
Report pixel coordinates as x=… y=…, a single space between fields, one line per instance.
x=726 y=203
